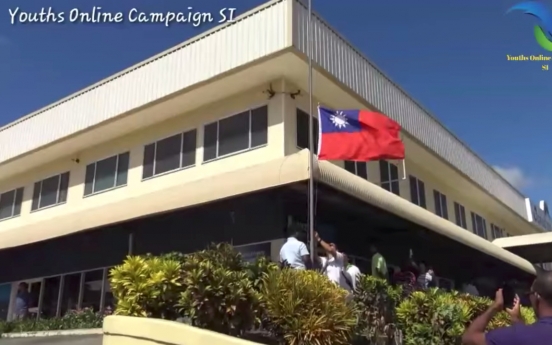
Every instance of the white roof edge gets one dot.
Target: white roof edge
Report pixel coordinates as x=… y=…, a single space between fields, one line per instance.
x=524 y=240
x=141 y=64
x=370 y=193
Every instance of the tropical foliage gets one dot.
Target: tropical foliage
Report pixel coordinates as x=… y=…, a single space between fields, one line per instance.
x=74 y=319
x=217 y=290
x=304 y=307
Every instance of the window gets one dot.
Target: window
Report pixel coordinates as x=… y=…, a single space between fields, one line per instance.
x=10 y=203
x=237 y=133
x=497 y=232
x=106 y=174
x=51 y=191
x=460 y=215
x=389 y=177
x=303 y=130
x=169 y=154
x=441 y=208
x=479 y=225
x=417 y=192
x=358 y=168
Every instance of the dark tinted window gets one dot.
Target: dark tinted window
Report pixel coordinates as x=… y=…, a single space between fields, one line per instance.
x=50 y=191
x=441 y=208
x=169 y=154
x=350 y=166
x=389 y=177
x=106 y=174
x=302 y=121
x=358 y=168
x=417 y=192
x=240 y=132
x=479 y=225
x=10 y=203
x=460 y=215
x=233 y=134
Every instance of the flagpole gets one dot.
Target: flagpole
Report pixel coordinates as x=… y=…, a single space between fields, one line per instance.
x=311 y=135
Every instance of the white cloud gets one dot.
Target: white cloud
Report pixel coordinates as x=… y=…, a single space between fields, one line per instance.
x=514 y=175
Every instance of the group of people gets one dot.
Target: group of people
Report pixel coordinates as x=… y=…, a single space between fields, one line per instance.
x=337 y=267
x=295 y=254
x=334 y=264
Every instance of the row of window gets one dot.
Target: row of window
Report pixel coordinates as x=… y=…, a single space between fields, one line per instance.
x=389 y=180
x=231 y=135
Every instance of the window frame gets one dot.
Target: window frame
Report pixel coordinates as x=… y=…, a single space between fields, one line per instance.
x=418 y=194
x=58 y=191
x=154 y=143
x=390 y=181
x=438 y=198
x=14 y=203
x=316 y=122
x=479 y=232
x=115 y=186
x=460 y=210
x=356 y=164
x=250 y=148
x=495 y=229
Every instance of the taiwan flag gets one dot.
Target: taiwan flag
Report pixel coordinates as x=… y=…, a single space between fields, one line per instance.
x=358 y=135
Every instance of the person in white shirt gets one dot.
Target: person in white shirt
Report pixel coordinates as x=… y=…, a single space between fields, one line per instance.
x=294 y=252
x=333 y=265
x=352 y=272
x=470 y=289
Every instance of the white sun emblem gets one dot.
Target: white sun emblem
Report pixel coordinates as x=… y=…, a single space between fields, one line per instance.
x=339 y=119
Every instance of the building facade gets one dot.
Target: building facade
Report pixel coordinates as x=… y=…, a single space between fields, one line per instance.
x=220 y=116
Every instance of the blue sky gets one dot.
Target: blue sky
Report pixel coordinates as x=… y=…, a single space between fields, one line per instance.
x=449 y=55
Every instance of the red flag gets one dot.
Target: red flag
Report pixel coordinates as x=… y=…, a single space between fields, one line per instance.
x=358 y=135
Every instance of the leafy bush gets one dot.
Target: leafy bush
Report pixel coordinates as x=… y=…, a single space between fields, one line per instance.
x=432 y=317
x=218 y=294
x=74 y=319
x=437 y=317
x=147 y=286
x=304 y=307
x=376 y=301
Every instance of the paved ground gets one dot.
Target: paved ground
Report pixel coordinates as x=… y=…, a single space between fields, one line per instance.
x=58 y=340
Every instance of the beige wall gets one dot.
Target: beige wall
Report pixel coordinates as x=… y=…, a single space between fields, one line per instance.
x=134 y=143
x=281 y=141
x=124 y=330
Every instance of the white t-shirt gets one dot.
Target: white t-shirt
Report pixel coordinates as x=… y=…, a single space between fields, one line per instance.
x=470 y=290
x=334 y=268
x=353 y=273
x=293 y=251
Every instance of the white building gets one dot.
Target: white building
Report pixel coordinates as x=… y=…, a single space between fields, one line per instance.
x=219 y=120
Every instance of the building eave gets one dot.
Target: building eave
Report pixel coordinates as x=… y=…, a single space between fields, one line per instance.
x=264 y=31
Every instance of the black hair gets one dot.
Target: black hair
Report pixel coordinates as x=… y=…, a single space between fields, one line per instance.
x=543 y=286
x=23 y=284
x=297 y=231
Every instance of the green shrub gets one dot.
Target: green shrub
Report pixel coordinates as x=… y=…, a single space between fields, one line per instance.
x=376 y=301
x=218 y=294
x=74 y=319
x=147 y=286
x=304 y=307
x=432 y=317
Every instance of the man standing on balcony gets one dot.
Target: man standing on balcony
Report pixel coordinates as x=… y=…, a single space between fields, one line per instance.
x=538 y=333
